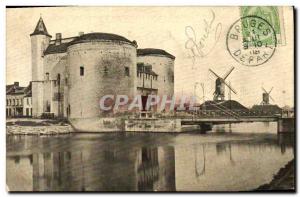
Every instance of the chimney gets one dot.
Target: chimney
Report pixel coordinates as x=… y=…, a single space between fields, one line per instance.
x=16 y=84
x=135 y=43
x=81 y=33
x=58 y=39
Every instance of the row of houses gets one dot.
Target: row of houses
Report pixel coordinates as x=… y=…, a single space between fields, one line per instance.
x=18 y=100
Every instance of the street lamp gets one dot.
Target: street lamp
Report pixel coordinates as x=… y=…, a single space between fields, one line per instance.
x=203 y=93
x=195 y=86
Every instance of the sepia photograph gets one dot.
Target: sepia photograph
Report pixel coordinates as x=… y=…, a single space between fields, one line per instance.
x=150 y=99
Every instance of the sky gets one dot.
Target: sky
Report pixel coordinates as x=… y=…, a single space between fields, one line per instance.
x=167 y=28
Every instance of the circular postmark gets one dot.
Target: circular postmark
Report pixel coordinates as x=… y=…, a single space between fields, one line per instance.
x=251 y=41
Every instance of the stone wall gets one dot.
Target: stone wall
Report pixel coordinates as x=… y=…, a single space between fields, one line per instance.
x=38 y=44
x=153 y=125
x=104 y=65
x=54 y=64
x=97 y=124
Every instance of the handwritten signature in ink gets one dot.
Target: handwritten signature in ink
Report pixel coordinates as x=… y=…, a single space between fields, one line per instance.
x=202 y=46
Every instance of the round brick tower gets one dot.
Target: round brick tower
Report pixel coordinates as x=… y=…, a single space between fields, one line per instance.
x=99 y=64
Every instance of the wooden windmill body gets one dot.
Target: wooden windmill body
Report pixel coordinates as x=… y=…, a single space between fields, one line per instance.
x=266 y=97
x=219 y=93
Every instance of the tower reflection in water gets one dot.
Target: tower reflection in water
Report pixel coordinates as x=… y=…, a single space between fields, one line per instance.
x=144 y=169
x=145 y=162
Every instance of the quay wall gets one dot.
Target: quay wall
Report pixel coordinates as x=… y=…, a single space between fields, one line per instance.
x=153 y=125
x=286 y=125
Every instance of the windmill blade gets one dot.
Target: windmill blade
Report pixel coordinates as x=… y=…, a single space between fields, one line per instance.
x=230 y=87
x=270 y=90
x=264 y=90
x=228 y=73
x=271 y=98
x=214 y=73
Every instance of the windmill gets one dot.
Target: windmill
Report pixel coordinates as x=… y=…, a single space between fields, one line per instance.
x=220 y=85
x=266 y=97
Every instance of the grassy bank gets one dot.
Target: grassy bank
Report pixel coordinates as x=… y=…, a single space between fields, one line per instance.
x=284 y=180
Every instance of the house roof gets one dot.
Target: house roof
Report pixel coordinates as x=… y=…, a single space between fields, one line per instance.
x=99 y=36
x=151 y=72
x=9 y=88
x=227 y=104
x=17 y=90
x=52 y=48
x=144 y=69
x=62 y=48
x=151 y=51
x=28 y=90
x=266 y=108
x=40 y=29
x=28 y=94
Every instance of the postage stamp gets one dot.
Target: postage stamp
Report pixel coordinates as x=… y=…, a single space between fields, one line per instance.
x=251 y=40
x=272 y=14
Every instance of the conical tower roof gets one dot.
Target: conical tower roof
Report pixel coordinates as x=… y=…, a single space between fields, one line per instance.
x=40 y=29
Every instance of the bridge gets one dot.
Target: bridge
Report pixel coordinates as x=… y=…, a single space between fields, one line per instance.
x=224 y=120
x=206 y=118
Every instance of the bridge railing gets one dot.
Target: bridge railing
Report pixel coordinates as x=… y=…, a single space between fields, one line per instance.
x=240 y=113
x=218 y=114
x=202 y=114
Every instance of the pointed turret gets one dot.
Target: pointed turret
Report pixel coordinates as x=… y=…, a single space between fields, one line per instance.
x=40 y=29
x=40 y=40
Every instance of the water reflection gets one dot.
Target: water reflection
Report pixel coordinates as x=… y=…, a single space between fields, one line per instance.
x=286 y=140
x=145 y=162
x=254 y=127
x=199 y=162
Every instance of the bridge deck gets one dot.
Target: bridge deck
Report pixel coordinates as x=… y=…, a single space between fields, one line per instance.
x=228 y=120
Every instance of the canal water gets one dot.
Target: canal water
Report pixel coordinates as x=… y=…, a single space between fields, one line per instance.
x=237 y=157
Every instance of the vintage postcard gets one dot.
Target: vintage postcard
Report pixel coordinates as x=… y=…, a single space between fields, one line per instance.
x=157 y=99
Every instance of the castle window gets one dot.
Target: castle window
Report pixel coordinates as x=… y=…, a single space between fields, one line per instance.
x=81 y=70
x=58 y=79
x=127 y=71
x=47 y=76
x=69 y=110
x=48 y=106
x=105 y=70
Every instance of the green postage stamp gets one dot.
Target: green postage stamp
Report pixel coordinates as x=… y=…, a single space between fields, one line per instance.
x=271 y=14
